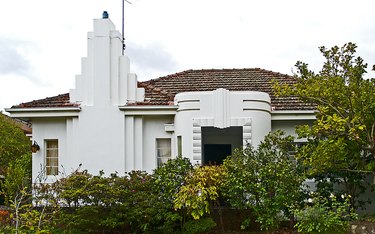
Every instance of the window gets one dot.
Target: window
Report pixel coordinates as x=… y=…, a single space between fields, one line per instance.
x=179 y=145
x=163 y=150
x=52 y=157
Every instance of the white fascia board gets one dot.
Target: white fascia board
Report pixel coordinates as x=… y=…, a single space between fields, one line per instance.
x=149 y=110
x=43 y=112
x=293 y=115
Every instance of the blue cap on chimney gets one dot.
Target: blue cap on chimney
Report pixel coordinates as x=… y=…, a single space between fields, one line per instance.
x=105 y=15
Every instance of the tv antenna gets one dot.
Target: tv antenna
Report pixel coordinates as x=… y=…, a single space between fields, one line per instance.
x=123 y=22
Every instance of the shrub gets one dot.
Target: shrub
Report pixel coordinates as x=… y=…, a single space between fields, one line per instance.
x=267 y=180
x=166 y=182
x=198 y=226
x=325 y=215
x=108 y=203
x=168 y=179
x=201 y=189
x=98 y=203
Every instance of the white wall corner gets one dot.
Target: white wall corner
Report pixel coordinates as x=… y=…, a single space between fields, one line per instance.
x=116 y=34
x=90 y=35
x=73 y=95
x=132 y=87
x=103 y=27
x=140 y=95
x=124 y=67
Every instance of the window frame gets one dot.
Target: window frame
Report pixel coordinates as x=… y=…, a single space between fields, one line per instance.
x=159 y=160
x=179 y=145
x=52 y=169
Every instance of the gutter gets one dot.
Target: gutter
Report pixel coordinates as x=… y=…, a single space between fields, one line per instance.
x=293 y=115
x=149 y=110
x=26 y=113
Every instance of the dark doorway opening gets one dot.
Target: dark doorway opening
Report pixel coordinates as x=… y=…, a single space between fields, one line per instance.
x=218 y=143
x=214 y=154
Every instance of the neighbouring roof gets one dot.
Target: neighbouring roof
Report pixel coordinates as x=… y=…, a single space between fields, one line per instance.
x=25 y=126
x=161 y=91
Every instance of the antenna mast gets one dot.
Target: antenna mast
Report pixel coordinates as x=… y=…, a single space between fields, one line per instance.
x=123 y=22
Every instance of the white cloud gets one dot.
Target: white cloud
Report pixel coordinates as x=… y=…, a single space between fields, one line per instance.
x=12 y=57
x=150 y=59
x=48 y=38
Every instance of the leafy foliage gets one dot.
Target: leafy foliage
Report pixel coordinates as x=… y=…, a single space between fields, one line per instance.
x=15 y=165
x=24 y=217
x=325 y=215
x=13 y=143
x=341 y=142
x=169 y=178
x=17 y=178
x=137 y=202
x=166 y=182
x=15 y=159
x=266 y=180
x=106 y=203
x=201 y=189
x=344 y=131
x=198 y=226
x=175 y=198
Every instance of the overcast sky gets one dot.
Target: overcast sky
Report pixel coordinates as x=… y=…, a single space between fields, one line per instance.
x=42 y=41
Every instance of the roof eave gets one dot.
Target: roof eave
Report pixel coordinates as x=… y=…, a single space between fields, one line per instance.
x=149 y=110
x=42 y=112
x=293 y=115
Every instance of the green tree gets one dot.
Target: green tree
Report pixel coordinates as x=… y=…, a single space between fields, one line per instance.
x=13 y=143
x=15 y=159
x=267 y=180
x=345 y=101
x=342 y=139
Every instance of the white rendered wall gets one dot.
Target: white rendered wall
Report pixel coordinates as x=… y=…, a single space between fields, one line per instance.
x=289 y=126
x=105 y=77
x=221 y=109
x=48 y=129
x=134 y=143
x=97 y=140
x=97 y=137
x=153 y=128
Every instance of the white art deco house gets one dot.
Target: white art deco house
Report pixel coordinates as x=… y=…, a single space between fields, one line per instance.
x=112 y=122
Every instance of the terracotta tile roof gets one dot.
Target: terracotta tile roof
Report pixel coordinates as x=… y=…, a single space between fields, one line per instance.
x=161 y=91
x=25 y=126
x=61 y=100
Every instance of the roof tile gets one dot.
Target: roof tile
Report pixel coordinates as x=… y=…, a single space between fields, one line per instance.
x=61 y=100
x=161 y=91
x=247 y=79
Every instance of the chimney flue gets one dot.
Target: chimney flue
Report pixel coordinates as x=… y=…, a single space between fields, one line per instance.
x=105 y=15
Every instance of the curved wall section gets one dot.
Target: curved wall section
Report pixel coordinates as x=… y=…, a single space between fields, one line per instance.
x=221 y=109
